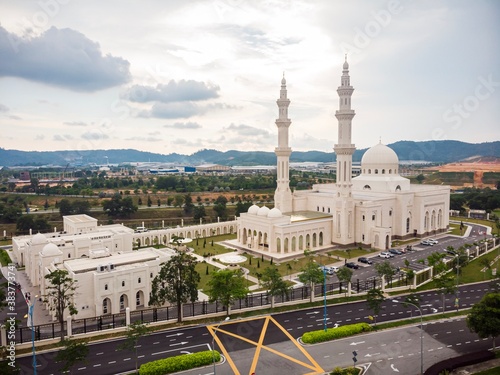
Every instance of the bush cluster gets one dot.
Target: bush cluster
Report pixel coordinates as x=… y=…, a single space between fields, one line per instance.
x=179 y=363
x=334 y=333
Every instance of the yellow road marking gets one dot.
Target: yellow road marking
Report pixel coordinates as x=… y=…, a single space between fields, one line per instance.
x=313 y=364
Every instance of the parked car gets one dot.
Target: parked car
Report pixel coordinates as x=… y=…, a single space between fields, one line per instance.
x=365 y=260
x=395 y=251
x=329 y=270
x=426 y=243
x=352 y=265
x=385 y=254
x=432 y=241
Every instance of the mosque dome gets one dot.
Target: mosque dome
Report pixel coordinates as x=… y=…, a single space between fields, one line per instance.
x=274 y=212
x=51 y=250
x=39 y=239
x=263 y=211
x=380 y=155
x=346 y=65
x=253 y=209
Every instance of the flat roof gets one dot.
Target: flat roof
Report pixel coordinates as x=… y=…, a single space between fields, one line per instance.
x=87 y=264
x=307 y=215
x=80 y=218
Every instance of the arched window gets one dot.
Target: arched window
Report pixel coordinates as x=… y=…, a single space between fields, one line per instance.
x=139 y=280
x=105 y=286
x=383 y=171
x=398 y=188
x=367 y=187
x=123 y=283
x=376 y=171
x=369 y=171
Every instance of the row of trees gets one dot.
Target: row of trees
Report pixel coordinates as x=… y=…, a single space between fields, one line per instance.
x=476 y=199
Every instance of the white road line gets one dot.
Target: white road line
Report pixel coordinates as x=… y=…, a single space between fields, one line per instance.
x=99 y=353
x=155 y=343
x=98 y=365
x=127 y=359
x=111 y=362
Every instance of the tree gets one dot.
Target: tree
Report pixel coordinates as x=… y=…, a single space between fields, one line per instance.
x=420 y=178
x=484 y=319
x=188 y=204
x=65 y=207
x=445 y=283
x=119 y=207
x=220 y=207
x=344 y=274
x=374 y=298
x=72 y=353
x=135 y=331
x=199 y=212
x=149 y=202
x=226 y=286
x=385 y=269
x=273 y=283
x=311 y=274
x=177 y=282
x=59 y=297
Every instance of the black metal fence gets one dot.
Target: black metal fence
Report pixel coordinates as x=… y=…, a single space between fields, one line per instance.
x=165 y=314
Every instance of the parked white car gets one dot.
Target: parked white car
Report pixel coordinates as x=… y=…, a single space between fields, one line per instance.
x=385 y=254
x=432 y=241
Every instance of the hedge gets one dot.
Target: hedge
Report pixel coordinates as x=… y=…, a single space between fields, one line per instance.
x=334 y=333
x=179 y=363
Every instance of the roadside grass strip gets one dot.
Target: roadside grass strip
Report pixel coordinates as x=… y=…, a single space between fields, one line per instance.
x=180 y=363
x=314 y=337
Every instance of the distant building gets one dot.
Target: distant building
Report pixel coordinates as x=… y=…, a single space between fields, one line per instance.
x=371 y=209
x=24 y=176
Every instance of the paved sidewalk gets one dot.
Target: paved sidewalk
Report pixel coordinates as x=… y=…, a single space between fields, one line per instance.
x=40 y=314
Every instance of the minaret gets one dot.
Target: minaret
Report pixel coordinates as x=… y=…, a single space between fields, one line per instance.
x=283 y=195
x=343 y=231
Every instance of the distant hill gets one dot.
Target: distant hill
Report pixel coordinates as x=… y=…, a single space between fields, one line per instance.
x=431 y=151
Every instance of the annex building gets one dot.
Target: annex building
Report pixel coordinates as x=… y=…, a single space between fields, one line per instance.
x=370 y=210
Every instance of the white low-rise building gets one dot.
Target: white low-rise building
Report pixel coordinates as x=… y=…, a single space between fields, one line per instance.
x=107 y=283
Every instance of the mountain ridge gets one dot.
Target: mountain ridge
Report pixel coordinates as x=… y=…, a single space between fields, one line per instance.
x=444 y=151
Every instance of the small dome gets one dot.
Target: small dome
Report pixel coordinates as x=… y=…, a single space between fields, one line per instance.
x=39 y=239
x=283 y=81
x=275 y=212
x=253 y=209
x=346 y=65
x=380 y=155
x=51 y=250
x=263 y=211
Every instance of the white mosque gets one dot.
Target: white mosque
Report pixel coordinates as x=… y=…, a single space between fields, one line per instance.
x=369 y=210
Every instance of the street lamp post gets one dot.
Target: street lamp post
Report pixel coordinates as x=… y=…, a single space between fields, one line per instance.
x=421 y=334
x=324 y=298
x=31 y=306
x=213 y=341
x=457 y=297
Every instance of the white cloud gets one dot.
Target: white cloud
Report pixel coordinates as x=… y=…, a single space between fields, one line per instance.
x=94 y=136
x=61 y=57
x=75 y=123
x=173 y=91
x=183 y=125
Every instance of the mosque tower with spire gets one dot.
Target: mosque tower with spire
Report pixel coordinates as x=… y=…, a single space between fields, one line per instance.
x=343 y=217
x=283 y=195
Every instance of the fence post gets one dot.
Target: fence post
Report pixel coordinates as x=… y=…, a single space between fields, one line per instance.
x=69 y=328
x=127 y=316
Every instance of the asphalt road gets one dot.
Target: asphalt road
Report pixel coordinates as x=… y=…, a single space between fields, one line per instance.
x=279 y=332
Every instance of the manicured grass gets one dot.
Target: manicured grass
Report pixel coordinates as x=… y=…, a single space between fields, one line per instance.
x=354 y=253
x=491 y=371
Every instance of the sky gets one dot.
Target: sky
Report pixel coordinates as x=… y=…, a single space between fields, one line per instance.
x=182 y=76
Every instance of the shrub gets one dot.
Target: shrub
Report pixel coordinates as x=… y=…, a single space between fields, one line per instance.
x=179 y=363
x=334 y=333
